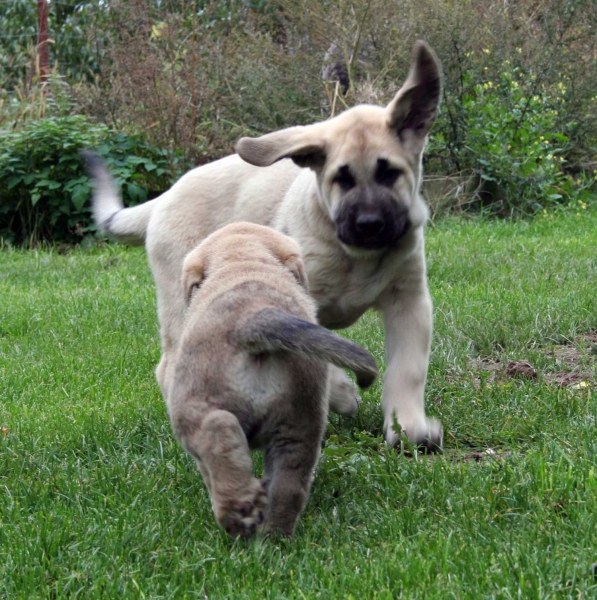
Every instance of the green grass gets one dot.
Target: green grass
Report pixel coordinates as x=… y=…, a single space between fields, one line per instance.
x=97 y=500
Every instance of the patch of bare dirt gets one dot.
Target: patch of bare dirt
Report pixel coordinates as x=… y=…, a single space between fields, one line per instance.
x=488 y=365
x=570 y=358
x=568 y=355
x=521 y=368
x=567 y=379
x=476 y=456
x=493 y=371
x=488 y=369
x=589 y=337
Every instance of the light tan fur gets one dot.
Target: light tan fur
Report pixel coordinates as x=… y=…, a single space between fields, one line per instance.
x=306 y=198
x=246 y=375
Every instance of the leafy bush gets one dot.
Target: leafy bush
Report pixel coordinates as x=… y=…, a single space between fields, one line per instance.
x=44 y=190
x=221 y=69
x=75 y=28
x=513 y=140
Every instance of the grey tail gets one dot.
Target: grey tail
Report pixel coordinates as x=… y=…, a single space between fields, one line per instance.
x=274 y=330
x=127 y=225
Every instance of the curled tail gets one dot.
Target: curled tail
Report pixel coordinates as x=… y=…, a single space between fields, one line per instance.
x=127 y=225
x=274 y=329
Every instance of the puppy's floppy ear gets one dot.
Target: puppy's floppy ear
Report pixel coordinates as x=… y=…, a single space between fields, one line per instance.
x=413 y=110
x=193 y=274
x=294 y=263
x=301 y=144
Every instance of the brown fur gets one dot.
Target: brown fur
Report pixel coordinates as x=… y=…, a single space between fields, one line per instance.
x=241 y=379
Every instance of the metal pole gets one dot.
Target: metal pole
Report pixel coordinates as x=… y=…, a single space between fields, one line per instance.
x=43 y=49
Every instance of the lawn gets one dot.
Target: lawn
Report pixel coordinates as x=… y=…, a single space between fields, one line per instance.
x=97 y=500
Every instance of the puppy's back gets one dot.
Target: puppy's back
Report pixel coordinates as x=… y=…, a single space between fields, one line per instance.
x=215 y=363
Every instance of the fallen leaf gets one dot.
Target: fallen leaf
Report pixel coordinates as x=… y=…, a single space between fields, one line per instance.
x=580 y=385
x=566 y=379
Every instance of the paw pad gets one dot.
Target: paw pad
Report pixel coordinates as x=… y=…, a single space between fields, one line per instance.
x=243 y=516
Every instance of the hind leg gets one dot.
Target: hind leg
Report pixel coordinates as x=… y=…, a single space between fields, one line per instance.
x=220 y=447
x=165 y=260
x=289 y=467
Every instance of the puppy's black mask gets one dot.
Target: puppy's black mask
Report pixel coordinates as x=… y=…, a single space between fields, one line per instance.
x=371 y=218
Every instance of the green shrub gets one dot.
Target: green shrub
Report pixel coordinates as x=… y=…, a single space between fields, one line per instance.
x=524 y=141
x=44 y=190
x=514 y=141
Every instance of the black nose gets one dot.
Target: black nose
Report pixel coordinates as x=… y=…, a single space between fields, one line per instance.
x=369 y=224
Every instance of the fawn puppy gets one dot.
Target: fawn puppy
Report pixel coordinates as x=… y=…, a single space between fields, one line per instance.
x=252 y=370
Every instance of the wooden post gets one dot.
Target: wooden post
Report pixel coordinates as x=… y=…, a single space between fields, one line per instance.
x=192 y=75
x=43 y=49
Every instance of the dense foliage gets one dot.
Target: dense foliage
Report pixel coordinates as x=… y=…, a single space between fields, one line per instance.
x=515 y=144
x=519 y=111
x=77 y=43
x=45 y=190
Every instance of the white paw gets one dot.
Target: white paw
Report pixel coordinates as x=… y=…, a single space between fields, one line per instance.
x=427 y=435
x=344 y=398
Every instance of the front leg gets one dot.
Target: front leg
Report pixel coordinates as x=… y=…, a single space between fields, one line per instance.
x=408 y=321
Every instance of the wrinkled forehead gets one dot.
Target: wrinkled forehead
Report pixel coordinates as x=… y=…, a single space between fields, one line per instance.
x=248 y=243
x=363 y=138
x=233 y=234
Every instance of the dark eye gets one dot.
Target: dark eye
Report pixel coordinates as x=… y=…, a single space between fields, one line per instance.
x=345 y=179
x=386 y=175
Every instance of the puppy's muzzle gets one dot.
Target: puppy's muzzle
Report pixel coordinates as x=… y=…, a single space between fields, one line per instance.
x=371 y=218
x=369 y=225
